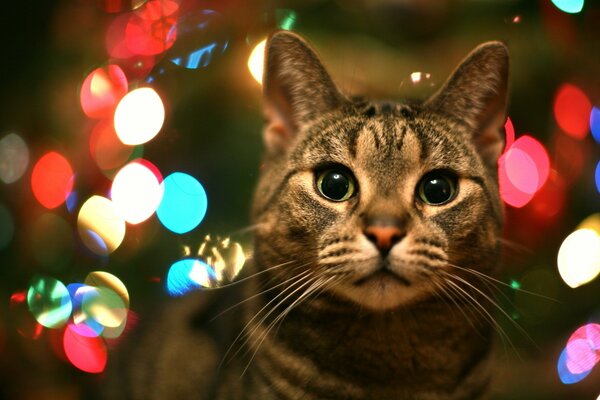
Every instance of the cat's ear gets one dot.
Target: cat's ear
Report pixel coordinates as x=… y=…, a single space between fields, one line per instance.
x=476 y=93
x=296 y=88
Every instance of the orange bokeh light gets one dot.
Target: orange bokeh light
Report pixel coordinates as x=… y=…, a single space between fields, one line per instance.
x=52 y=180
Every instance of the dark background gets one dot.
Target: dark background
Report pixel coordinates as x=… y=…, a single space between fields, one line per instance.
x=212 y=131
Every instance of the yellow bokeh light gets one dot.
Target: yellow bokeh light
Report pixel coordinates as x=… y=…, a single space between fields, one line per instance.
x=139 y=116
x=592 y=222
x=256 y=61
x=579 y=257
x=136 y=193
x=100 y=227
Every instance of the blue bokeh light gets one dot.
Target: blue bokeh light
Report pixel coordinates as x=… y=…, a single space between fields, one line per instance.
x=180 y=278
x=569 y=6
x=598 y=176
x=595 y=123
x=184 y=203
x=566 y=376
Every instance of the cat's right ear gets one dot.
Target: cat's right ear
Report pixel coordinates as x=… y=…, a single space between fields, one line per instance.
x=296 y=89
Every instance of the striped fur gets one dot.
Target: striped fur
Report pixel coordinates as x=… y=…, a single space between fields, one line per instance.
x=316 y=324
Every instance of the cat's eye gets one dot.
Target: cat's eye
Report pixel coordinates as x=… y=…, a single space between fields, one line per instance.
x=335 y=184
x=437 y=188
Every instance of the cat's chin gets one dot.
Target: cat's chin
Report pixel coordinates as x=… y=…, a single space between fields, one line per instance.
x=380 y=292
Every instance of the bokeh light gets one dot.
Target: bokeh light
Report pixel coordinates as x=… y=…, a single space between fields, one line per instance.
x=152 y=28
x=579 y=257
x=256 y=61
x=106 y=148
x=88 y=354
x=100 y=227
x=184 y=203
x=104 y=305
x=595 y=123
x=286 y=18
x=139 y=116
x=14 y=158
x=49 y=301
x=572 y=110
x=569 y=6
x=580 y=354
x=7 y=227
x=522 y=170
x=592 y=222
x=597 y=174
x=101 y=91
x=509 y=131
x=117 y=6
x=225 y=256
x=187 y=275
x=21 y=318
x=201 y=38
x=136 y=192
x=52 y=242
x=52 y=180
x=108 y=280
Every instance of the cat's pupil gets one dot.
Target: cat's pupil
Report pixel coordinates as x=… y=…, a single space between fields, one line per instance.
x=437 y=190
x=335 y=185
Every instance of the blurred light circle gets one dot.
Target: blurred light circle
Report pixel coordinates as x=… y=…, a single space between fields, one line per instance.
x=104 y=306
x=101 y=91
x=566 y=376
x=7 y=227
x=256 y=61
x=569 y=6
x=580 y=356
x=579 y=257
x=139 y=116
x=82 y=324
x=52 y=180
x=100 y=227
x=110 y=281
x=106 y=148
x=152 y=28
x=201 y=38
x=592 y=222
x=117 y=6
x=595 y=123
x=52 y=242
x=286 y=18
x=521 y=170
x=88 y=354
x=572 y=110
x=538 y=154
x=21 y=318
x=188 y=275
x=598 y=176
x=509 y=131
x=136 y=193
x=184 y=203
x=49 y=301
x=14 y=158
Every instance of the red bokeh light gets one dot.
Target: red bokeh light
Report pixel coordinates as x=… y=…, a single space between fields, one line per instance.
x=572 y=110
x=22 y=318
x=52 y=180
x=509 y=130
x=86 y=353
x=152 y=29
x=106 y=148
x=101 y=91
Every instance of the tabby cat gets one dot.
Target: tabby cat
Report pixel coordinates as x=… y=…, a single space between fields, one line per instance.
x=374 y=223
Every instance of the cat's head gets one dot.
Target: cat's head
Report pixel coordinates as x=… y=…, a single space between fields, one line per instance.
x=380 y=202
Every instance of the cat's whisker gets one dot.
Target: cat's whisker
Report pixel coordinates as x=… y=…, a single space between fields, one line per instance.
x=483 y=312
x=249 y=228
x=498 y=307
x=259 y=293
x=299 y=279
x=263 y=271
x=318 y=284
x=490 y=278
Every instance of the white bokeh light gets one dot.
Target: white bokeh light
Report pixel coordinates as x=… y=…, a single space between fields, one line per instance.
x=136 y=193
x=579 y=257
x=139 y=116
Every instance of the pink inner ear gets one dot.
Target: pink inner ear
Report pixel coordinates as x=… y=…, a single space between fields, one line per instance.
x=278 y=132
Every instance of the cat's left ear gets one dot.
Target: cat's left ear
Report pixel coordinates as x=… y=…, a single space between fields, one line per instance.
x=296 y=88
x=476 y=93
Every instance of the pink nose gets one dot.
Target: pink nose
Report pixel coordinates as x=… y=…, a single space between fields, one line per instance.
x=384 y=237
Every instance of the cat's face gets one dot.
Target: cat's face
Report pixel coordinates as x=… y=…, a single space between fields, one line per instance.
x=378 y=202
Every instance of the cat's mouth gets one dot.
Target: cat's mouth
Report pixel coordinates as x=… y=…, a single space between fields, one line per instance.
x=383 y=274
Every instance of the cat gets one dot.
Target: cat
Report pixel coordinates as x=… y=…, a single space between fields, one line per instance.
x=374 y=223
